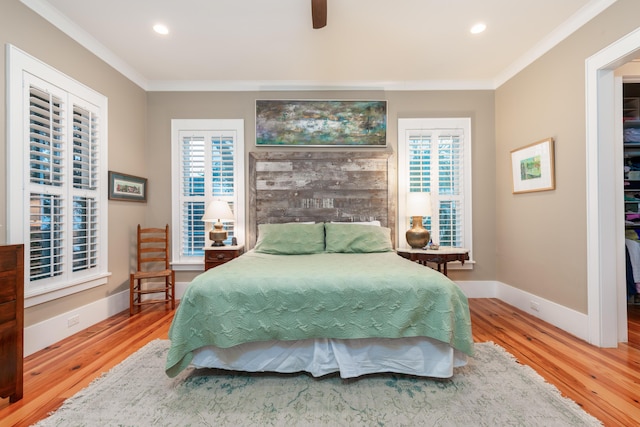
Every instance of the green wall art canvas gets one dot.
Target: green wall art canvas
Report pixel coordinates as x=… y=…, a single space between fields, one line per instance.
x=321 y=123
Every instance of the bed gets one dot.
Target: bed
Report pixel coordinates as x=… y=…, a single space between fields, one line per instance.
x=322 y=298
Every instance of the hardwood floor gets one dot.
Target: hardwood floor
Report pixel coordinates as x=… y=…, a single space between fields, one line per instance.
x=61 y=370
x=605 y=382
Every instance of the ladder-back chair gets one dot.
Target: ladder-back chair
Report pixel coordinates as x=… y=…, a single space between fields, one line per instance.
x=153 y=263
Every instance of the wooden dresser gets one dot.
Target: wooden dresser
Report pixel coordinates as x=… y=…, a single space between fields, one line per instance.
x=11 y=320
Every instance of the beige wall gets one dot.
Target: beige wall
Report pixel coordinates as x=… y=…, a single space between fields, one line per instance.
x=21 y=27
x=479 y=105
x=541 y=237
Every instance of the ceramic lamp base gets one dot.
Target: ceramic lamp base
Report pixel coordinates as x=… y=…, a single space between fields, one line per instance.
x=217 y=235
x=417 y=236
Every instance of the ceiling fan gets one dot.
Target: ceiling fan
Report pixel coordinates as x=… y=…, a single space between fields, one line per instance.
x=319 y=13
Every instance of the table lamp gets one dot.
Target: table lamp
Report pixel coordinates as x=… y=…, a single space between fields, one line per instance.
x=217 y=211
x=418 y=206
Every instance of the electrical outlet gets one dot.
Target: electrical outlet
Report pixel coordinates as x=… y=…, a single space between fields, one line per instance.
x=535 y=306
x=73 y=320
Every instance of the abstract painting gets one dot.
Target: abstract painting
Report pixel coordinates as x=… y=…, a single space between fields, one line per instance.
x=321 y=123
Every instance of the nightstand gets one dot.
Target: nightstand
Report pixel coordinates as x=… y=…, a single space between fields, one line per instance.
x=440 y=256
x=218 y=255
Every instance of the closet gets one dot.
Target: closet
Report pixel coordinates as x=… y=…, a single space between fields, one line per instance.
x=631 y=138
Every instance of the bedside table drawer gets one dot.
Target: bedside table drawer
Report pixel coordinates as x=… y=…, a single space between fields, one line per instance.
x=214 y=257
x=219 y=256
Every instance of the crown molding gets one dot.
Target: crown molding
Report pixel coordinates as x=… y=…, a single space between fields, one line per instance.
x=71 y=29
x=299 y=85
x=577 y=20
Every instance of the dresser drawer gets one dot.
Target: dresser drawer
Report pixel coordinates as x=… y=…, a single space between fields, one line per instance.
x=8 y=260
x=8 y=291
x=8 y=311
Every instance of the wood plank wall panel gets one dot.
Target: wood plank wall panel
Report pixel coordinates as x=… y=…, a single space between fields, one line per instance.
x=318 y=186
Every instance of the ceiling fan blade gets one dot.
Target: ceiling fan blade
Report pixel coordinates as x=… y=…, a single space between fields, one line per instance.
x=319 y=13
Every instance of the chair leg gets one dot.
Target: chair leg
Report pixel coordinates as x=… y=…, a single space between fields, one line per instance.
x=173 y=290
x=135 y=294
x=131 y=294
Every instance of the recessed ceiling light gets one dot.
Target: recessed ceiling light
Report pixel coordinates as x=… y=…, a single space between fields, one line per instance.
x=161 y=29
x=478 y=28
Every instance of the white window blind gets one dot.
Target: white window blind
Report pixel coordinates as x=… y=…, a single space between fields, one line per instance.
x=46 y=135
x=85 y=149
x=85 y=185
x=192 y=194
x=209 y=156
x=46 y=237
x=57 y=152
x=435 y=157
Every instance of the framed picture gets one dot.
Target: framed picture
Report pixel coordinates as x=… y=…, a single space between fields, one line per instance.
x=127 y=187
x=533 y=167
x=321 y=123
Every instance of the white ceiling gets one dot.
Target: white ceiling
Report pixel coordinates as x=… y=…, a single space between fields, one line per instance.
x=270 y=44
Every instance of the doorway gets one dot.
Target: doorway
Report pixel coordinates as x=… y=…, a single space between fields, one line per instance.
x=631 y=191
x=605 y=221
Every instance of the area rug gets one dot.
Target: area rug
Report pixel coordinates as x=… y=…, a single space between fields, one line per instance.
x=492 y=390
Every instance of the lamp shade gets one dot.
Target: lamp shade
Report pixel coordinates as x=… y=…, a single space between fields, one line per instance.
x=218 y=210
x=418 y=204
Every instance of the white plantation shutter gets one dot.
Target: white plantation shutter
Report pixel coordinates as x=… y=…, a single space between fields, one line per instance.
x=46 y=237
x=434 y=157
x=208 y=162
x=192 y=194
x=85 y=233
x=47 y=156
x=85 y=188
x=223 y=173
x=449 y=199
x=419 y=147
x=46 y=134
x=85 y=151
x=57 y=152
x=64 y=218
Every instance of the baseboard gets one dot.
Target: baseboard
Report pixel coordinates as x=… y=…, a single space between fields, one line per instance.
x=50 y=331
x=54 y=329
x=565 y=318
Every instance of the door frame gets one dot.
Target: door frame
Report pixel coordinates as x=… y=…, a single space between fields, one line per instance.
x=606 y=285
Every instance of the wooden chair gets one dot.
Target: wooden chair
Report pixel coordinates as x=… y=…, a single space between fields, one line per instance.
x=153 y=263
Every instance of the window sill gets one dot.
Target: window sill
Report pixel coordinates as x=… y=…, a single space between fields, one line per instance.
x=188 y=266
x=456 y=265
x=44 y=294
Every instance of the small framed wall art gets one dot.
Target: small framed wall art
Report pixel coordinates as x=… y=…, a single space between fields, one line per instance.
x=533 y=167
x=127 y=187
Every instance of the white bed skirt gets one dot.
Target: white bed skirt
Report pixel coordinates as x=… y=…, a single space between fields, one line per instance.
x=352 y=358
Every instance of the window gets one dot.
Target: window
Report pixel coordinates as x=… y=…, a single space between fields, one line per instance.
x=434 y=156
x=208 y=164
x=57 y=169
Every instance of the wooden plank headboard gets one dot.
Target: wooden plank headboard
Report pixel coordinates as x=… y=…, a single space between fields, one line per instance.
x=319 y=186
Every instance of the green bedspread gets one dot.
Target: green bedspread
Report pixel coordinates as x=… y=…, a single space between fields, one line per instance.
x=260 y=297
